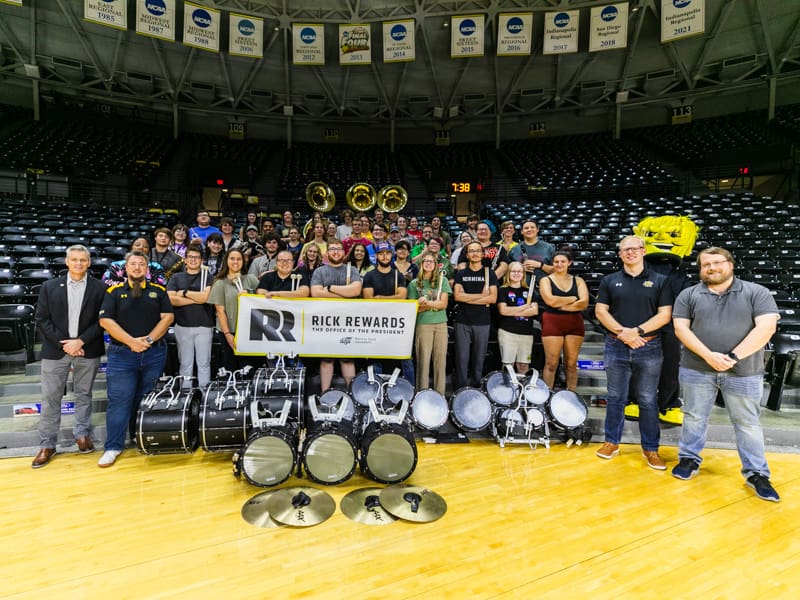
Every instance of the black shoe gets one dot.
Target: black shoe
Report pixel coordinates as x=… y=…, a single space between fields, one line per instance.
x=763 y=488
x=686 y=469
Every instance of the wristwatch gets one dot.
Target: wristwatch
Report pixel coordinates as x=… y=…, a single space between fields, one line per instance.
x=149 y=340
x=185 y=292
x=640 y=331
x=732 y=356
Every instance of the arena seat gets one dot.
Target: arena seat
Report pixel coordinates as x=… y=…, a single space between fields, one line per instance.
x=785 y=366
x=17 y=329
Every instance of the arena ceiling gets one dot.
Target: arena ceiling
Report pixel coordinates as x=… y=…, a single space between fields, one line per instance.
x=46 y=46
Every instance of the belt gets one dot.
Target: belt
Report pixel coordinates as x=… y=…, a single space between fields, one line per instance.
x=649 y=338
x=157 y=344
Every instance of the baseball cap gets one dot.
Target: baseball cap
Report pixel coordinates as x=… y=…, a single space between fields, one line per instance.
x=383 y=247
x=251 y=228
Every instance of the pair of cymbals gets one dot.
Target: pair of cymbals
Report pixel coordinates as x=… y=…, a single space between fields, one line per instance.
x=375 y=506
x=295 y=506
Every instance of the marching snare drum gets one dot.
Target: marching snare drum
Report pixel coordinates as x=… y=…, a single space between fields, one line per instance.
x=363 y=390
x=567 y=410
x=330 y=402
x=471 y=409
x=329 y=451
x=224 y=417
x=500 y=389
x=429 y=410
x=402 y=390
x=388 y=452
x=168 y=422
x=269 y=456
x=272 y=387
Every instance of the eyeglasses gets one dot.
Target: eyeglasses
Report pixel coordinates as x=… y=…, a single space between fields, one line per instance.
x=336 y=249
x=632 y=249
x=712 y=265
x=284 y=260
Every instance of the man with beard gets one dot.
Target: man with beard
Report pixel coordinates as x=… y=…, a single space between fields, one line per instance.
x=475 y=291
x=136 y=314
x=386 y=283
x=282 y=283
x=336 y=280
x=203 y=229
x=724 y=324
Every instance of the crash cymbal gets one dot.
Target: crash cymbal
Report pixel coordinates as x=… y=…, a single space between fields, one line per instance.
x=301 y=506
x=255 y=511
x=413 y=503
x=364 y=506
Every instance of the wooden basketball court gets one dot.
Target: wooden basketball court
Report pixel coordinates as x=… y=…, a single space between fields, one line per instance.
x=547 y=523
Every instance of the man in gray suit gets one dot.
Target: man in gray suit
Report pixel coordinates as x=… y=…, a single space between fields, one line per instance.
x=67 y=313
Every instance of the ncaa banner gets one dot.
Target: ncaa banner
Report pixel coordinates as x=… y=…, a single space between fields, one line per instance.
x=308 y=44
x=112 y=13
x=156 y=18
x=201 y=27
x=514 y=34
x=246 y=36
x=325 y=328
x=561 y=32
x=398 y=41
x=466 y=36
x=354 y=45
x=608 y=27
x=682 y=18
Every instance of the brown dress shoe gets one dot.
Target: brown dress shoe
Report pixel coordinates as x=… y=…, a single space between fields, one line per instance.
x=85 y=445
x=44 y=456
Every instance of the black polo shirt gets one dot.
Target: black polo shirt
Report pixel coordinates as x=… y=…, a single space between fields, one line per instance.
x=634 y=300
x=137 y=316
x=272 y=282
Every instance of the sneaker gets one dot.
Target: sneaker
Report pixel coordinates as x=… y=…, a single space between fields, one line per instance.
x=109 y=458
x=672 y=416
x=763 y=487
x=654 y=461
x=608 y=450
x=686 y=469
x=632 y=412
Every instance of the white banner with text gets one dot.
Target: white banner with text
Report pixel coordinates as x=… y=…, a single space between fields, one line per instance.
x=682 y=18
x=113 y=13
x=325 y=328
x=201 y=27
x=156 y=18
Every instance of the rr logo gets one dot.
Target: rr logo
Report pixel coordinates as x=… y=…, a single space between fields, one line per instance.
x=274 y=325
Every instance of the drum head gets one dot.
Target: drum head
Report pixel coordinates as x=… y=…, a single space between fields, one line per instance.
x=268 y=458
x=329 y=402
x=567 y=409
x=363 y=390
x=471 y=409
x=389 y=457
x=536 y=394
x=535 y=417
x=402 y=390
x=499 y=388
x=329 y=458
x=429 y=409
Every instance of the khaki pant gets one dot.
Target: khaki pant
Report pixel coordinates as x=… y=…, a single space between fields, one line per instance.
x=431 y=342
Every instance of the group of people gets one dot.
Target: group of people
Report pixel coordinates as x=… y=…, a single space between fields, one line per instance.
x=192 y=278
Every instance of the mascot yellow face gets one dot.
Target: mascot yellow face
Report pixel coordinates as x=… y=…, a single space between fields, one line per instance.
x=667 y=235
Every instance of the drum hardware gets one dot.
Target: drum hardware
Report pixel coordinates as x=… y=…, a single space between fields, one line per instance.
x=336 y=415
x=300 y=506
x=167 y=419
x=413 y=503
x=518 y=424
x=364 y=506
x=383 y=414
x=169 y=381
x=224 y=421
x=255 y=511
x=232 y=384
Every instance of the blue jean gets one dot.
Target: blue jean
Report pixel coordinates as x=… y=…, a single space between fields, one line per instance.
x=643 y=365
x=130 y=376
x=742 y=397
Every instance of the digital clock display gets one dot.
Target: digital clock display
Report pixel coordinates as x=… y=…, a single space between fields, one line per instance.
x=460 y=187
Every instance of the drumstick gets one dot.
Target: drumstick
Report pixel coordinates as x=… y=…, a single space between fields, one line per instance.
x=441 y=281
x=530 y=290
x=486 y=279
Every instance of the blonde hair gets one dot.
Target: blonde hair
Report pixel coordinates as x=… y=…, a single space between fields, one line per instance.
x=507 y=276
x=437 y=272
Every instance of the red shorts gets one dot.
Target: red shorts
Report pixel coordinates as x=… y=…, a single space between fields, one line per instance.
x=561 y=324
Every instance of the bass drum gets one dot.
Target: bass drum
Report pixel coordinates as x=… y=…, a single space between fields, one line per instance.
x=363 y=390
x=169 y=430
x=470 y=409
x=269 y=456
x=500 y=389
x=329 y=451
x=224 y=422
x=567 y=410
x=536 y=394
x=429 y=410
x=388 y=452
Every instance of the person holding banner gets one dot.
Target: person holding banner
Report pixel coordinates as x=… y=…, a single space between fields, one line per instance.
x=475 y=292
x=229 y=284
x=335 y=280
x=431 y=289
x=515 y=327
x=282 y=282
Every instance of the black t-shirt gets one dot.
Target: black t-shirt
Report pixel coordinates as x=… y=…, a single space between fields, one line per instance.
x=634 y=300
x=137 y=316
x=272 y=282
x=474 y=282
x=514 y=297
x=383 y=284
x=191 y=315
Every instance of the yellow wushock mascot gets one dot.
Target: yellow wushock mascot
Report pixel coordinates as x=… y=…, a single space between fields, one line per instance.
x=668 y=240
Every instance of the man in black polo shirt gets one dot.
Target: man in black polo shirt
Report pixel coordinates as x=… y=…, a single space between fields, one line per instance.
x=282 y=283
x=633 y=304
x=136 y=314
x=385 y=282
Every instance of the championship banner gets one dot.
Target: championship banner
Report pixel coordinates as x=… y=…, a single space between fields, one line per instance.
x=682 y=18
x=466 y=36
x=514 y=34
x=325 y=328
x=561 y=32
x=14 y=2
x=112 y=13
x=308 y=44
x=354 y=44
x=398 y=41
x=608 y=27
x=246 y=36
x=156 y=18
x=201 y=27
